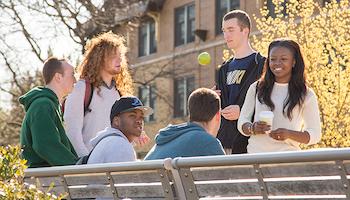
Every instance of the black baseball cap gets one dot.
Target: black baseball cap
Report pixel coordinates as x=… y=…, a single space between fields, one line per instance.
x=129 y=103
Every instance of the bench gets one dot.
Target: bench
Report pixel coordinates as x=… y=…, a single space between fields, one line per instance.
x=134 y=180
x=313 y=174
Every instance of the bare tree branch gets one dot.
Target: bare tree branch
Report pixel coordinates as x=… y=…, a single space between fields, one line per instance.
x=163 y=72
x=7 y=91
x=14 y=74
x=32 y=42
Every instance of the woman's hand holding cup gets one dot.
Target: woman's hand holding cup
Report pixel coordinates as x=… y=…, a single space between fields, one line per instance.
x=260 y=127
x=267 y=118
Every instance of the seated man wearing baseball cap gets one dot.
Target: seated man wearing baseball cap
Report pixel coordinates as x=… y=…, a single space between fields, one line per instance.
x=113 y=144
x=196 y=137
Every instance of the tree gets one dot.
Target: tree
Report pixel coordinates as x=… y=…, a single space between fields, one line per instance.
x=49 y=19
x=83 y=19
x=11 y=178
x=323 y=34
x=21 y=52
x=11 y=120
x=26 y=31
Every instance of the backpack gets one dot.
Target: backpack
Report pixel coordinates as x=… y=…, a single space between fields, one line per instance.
x=260 y=62
x=84 y=159
x=89 y=91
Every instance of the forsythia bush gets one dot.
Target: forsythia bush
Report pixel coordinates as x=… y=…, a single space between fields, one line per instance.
x=324 y=35
x=11 y=177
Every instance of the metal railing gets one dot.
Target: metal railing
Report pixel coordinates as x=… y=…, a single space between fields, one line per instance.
x=181 y=184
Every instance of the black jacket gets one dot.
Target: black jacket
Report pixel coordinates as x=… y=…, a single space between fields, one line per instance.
x=229 y=135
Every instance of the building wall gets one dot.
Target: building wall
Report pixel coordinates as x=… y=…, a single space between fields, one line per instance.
x=182 y=60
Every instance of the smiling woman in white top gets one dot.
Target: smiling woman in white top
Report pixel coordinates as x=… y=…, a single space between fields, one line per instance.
x=282 y=89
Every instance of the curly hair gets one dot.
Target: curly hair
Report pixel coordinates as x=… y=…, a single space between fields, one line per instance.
x=98 y=53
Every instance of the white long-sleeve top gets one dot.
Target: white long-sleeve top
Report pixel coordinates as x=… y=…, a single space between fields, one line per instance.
x=304 y=118
x=81 y=129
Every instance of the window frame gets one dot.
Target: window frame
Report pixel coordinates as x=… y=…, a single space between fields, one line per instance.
x=188 y=35
x=270 y=6
x=219 y=15
x=151 y=100
x=147 y=50
x=328 y=1
x=188 y=87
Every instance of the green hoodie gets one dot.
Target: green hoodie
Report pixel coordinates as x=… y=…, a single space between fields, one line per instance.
x=43 y=138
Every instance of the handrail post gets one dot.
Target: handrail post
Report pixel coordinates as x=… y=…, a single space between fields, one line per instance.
x=343 y=175
x=65 y=186
x=112 y=186
x=181 y=195
x=165 y=180
x=188 y=183
x=262 y=185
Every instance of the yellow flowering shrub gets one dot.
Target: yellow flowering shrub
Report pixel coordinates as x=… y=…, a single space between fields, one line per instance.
x=12 y=186
x=323 y=33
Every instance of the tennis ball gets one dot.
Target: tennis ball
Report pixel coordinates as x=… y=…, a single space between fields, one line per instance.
x=204 y=58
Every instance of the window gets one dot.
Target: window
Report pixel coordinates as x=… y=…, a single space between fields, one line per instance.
x=147 y=38
x=148 y=97
x=328 y=1
x=182 y=90
x=184 y=24
x=271 y=8
x=223 y=7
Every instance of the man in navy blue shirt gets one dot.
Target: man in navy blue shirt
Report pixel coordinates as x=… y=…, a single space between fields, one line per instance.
x=234 y=78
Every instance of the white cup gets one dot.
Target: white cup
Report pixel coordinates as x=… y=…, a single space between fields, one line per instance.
x=266 y=116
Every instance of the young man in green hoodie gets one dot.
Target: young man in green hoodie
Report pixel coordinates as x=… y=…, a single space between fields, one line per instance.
x=196 y=137
x=43 y=138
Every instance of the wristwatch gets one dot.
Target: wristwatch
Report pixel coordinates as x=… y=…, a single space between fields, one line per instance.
x=250 y=129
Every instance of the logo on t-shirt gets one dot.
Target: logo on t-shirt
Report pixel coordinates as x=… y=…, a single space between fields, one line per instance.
x=235 y=77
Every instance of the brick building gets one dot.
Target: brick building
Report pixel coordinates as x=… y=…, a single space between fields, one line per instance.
x=163 y=50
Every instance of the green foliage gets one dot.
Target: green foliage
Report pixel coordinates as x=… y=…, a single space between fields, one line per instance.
x=12 y=186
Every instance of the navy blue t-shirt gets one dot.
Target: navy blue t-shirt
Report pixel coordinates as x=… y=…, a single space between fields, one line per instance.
x=237 y=69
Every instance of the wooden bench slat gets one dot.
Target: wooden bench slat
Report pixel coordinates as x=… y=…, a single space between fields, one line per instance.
x=103 y=191
x=83 y=179
x=137 y=177
x=300 y=169
x=270 y=170
x=347 y=165
x=311 y=197
x=57 y=190
x=324 y=187
x=130 y=177
x=98 y=178
x=92 y=191
x=304 y=197
x=220 y=173
x=45 y=181
x=227 y=189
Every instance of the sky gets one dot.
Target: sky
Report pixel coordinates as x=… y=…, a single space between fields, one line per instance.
x=22 y=57
x=49 y=33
